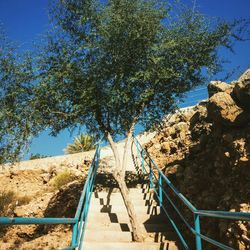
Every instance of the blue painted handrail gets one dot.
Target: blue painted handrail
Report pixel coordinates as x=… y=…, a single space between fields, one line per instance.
x=79 y=221
x=156 y=183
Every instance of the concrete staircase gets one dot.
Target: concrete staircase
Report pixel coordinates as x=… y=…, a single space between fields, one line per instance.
x=108 y=224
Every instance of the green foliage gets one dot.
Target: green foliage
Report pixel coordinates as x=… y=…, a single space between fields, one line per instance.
x=81 y=143
x=62 y=179
x=109 y=65
x=16 y=75
x=122 y=62
x=38 y=156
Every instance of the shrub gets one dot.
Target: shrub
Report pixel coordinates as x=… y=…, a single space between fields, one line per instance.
x=62 y=179
x=22 y=200
x=11 y=199
x=6 y=199
x=38 y=156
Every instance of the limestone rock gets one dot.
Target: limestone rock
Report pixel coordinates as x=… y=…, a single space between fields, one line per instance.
x=218 y=86
x=207 y=158
x=222 y=109
x=242 y=90
x=199 y=116
x=245 y=76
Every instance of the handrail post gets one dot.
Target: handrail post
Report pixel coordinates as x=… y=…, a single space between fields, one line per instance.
x=74 y=234
x=150 y=175
x=143 y=162
x=198 y=231
x=160 y=188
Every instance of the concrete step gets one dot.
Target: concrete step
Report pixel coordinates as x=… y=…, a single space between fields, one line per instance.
x=96 y=208
x=122 y=217
x=114 y=236
x=119 y=201
x=141 y=188
x=104 y=198
x=129 y=246
x=133 y=194
x=107 y=236
x=125 y=227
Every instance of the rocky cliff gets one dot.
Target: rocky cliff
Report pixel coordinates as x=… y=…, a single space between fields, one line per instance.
x=205 y=151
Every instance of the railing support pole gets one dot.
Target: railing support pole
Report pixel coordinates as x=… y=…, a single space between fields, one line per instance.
x=74 y=234
x=197 y=230
x=143 y=162
x=160 y=188
x=150 y=175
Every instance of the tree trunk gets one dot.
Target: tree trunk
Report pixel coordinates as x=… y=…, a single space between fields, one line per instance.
x=120 y=178
x=136 y=229
x=126 y=149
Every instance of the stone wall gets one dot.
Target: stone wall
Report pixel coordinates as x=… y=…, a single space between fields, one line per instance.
x=73 y=160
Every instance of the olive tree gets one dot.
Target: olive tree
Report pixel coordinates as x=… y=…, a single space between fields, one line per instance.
x=110 y=65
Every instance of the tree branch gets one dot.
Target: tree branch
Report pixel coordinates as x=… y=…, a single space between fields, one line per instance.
x=115 y=151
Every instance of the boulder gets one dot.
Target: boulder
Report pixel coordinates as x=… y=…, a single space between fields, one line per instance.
x=241 y=90
x=218 y=86
x=199 y=116
x=223 y=110
x=245 y=76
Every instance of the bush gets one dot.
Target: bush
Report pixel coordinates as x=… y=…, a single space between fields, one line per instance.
x=22 y=200
x=38 y=156
x=9 y=199
x=62 y=179
x=6 y=199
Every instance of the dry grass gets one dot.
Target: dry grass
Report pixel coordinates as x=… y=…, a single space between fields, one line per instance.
x=62 y=179
x=8 y=201
x=7 y=198
x=22 y=200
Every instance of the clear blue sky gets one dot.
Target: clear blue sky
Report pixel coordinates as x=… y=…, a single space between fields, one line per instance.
x=25 y=20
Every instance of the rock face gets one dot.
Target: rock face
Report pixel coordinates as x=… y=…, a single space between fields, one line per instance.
x=218 y=86
x=242 y=90
x=206 y=154
x=222 y=109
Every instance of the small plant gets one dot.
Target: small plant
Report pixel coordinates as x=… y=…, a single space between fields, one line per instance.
x=11 y=199
x=6 y=199
x=38 y=156
x=62 y=179
x=22 y=200
x=81 y=143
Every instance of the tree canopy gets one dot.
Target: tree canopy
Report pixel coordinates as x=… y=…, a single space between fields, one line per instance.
x=15 y=94
x=122 y=61
x=106 y=66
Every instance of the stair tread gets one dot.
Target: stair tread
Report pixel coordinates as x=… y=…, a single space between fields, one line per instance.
x=108 y=224
x=93 y=235
x=130 y=246
x=123 y=217
x=125 y=227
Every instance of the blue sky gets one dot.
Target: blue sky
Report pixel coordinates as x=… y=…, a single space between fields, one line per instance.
x=25 y=20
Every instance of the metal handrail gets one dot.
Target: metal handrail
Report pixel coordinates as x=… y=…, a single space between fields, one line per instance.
x=79 y=221
x=160 y=192
x=83 y=205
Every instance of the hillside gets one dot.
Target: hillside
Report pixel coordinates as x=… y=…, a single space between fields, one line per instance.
x=49 y=187
x=205 y=151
